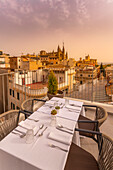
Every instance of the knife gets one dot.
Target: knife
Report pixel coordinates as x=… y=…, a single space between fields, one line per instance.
x=64 y=130
x=19 y=131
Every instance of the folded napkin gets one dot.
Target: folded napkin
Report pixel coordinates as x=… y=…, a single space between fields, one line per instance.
x=77 y=103
x=73 y=107
x=29 y=126
x=63 y=138
x=49 y=102
x=45 y=109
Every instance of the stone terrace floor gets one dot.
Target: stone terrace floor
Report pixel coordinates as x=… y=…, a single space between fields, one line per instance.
x=107 y=128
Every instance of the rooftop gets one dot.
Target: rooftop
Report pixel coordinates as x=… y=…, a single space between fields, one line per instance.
x=36 y=86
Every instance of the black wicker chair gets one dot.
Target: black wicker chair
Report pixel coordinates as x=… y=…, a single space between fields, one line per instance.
x=32 y=104
x=79 y=159
x=9 y=121
x=92 y=125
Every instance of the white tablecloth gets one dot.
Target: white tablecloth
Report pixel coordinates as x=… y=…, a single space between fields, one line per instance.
x=15 y=154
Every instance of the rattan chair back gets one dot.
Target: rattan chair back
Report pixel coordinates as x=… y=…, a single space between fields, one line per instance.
x=101 y=115
x=27 y=105
x=32 y=104
x=105 y=159
x=8 y=121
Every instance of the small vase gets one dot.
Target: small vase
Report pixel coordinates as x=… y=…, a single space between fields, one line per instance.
x=53 y=120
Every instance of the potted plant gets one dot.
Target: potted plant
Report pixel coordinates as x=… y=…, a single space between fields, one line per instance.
x=53 y=87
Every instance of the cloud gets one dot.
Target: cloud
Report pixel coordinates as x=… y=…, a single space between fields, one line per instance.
x=55 y=14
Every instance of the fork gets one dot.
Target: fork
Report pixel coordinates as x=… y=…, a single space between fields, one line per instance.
x=42 y=132
x=35 y=120
x=54 y=146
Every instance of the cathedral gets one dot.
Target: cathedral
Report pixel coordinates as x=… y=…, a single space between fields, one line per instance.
x=53 y=57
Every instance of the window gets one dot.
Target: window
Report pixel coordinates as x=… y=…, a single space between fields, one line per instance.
x=60 y=79
x=17 y=108
x=88 y=75
x=18 y=96
x=81 y=75
x=13 y=94
x=80 y=82
x=10 y=91
x=12 y=106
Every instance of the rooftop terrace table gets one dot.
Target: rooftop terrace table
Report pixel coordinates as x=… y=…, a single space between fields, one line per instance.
x=15 y=154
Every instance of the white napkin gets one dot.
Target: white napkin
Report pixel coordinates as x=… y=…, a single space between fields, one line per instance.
x=73 y=107
x=29 y=126
x=66 y=139
x=50 y=102
x=45 y=109
x=78 y=103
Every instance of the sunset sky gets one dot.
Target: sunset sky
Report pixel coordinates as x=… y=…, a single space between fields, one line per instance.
x=85 y=27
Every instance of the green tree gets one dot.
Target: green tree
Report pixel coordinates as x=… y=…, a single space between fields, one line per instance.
x=52 y=83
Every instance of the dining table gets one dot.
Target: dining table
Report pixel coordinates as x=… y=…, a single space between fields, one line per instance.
x=51 y=140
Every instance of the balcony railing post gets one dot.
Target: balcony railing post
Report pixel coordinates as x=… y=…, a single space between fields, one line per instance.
x=92 y=86
x=25 y=85
x=3 y=92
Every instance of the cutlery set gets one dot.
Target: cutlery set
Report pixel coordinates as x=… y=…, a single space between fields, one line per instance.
x=40 y=127
x=23 y=134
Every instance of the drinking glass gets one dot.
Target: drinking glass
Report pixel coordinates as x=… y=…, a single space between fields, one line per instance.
x=53 y=121
x=66 y=102
x=55 y=104
x=29 y=136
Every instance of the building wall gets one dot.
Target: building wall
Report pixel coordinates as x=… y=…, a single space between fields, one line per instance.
x=3 y=91
x=13 y=63
x=4 y=61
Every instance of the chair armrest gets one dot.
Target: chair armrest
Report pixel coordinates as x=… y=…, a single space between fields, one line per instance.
x=84 y=105
x=98 y=134
x=26 y=111
x=87 y=121
x=41 y=100
x=88 y=131
x=91 y=121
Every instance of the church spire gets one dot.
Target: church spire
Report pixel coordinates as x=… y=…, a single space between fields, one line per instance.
x=63 y=49
x=58 y=49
